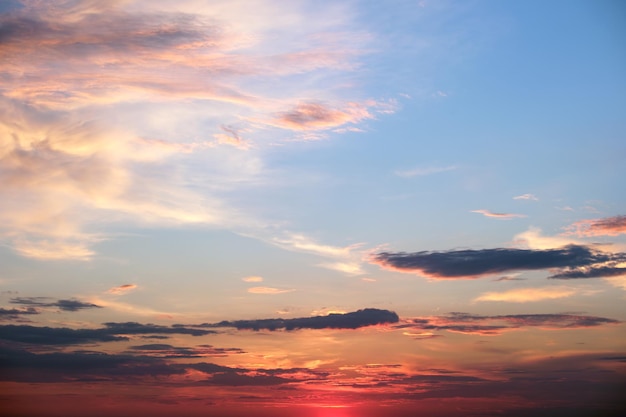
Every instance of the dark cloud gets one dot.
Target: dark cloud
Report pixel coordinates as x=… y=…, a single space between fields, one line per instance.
x=590 y=272
x=16 y=313
x=111 y=333
x=22 y=366
x=162 y=350
x=138 y=328
x=65 y=305
x=352 y=320
x=56 y=335
x=572 y=259
x=494 y=325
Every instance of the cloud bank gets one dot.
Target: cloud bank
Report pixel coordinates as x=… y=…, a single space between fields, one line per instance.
x=573 y=261
x=352 y=320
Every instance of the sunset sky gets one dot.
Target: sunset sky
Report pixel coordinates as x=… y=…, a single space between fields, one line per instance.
x=347 y=208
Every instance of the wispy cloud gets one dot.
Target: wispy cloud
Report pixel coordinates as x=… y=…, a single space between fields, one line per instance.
x=608 y=226
x=419 y=172
x=525 y=295
x=252 y=278
x=526 y=197
x=65 y=305
x=122 y=289
x=104 y=99
x=504 y=216
x=498 y=324
x=161 y=350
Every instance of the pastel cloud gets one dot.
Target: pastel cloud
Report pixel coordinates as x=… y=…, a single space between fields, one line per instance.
x=122 y=289
x=573 y=261
x=268 y=290
x=104 y=99
x=608 y=226
x=526 y=197
x=252 y=278
x=504 y=216
x=524 y=295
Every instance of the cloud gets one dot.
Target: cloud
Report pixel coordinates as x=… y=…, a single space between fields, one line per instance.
x=160 y=350
x=318 y=116
x=109 y=108
x=122 y=289
x=504 y=216
x=526 y=197
x=268 y=290
x=573 y=261
x=608 y=226
x=352 y=320
x=512 y=277
x=495 y=325
x=16 y=314
x=66 y=336
x=524 y=295
x=65 y=305
x=418 y=172
x=252 y=278
x=534 y=239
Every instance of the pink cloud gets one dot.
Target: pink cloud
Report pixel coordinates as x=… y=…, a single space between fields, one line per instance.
x=268 y=290
x=122 y=289
x=608 y=226
x=504 y=216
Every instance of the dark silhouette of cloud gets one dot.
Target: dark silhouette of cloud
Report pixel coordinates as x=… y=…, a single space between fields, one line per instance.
x=66 y=336
x=16 y=313
x=65 y=305
x=494 y=325
x=162 y=350
x=352 y=320
x=574 y=261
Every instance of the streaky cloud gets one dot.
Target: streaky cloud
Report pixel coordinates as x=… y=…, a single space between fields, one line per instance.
x=608 y=226
x=526 y=197
x=497 y=324
x=503 y=216
x=112 y=332
x=525 y=295
x=65 y=305
x=122 y=289
x=574 y=261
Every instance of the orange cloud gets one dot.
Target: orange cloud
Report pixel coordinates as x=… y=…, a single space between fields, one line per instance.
x=253 y=278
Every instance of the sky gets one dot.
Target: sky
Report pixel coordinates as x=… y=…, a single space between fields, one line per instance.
x=324 y=209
